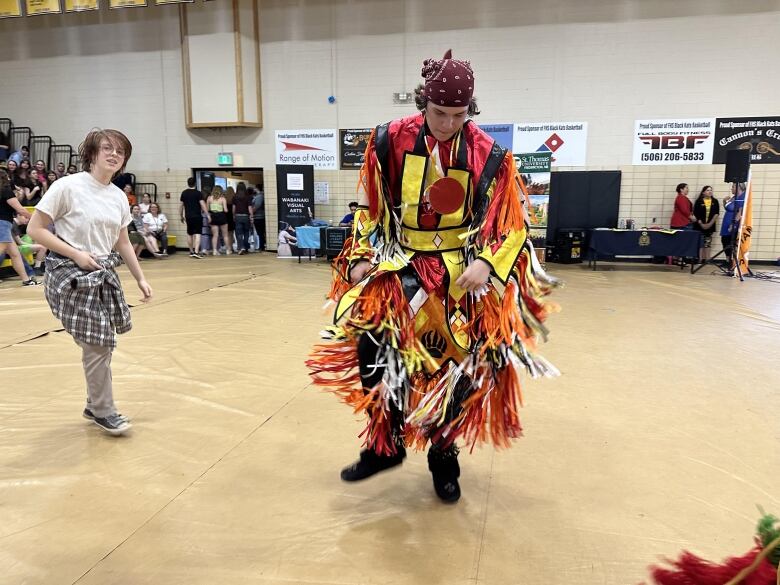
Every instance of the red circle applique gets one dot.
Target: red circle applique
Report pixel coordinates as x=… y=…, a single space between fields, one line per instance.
x=446 y=195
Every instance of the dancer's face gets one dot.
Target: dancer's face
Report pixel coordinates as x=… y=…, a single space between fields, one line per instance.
x=445 y=121
x=110 y=157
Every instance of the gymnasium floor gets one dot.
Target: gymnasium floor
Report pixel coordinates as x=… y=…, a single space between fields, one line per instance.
x=663 y=433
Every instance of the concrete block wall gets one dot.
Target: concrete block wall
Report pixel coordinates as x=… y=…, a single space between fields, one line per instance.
x=607 y=62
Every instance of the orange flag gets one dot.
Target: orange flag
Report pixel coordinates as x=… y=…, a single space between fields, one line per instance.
x=745 y=230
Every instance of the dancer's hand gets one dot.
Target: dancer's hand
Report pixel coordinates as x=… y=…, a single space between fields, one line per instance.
x=358 y=271
x=86 y=261
x=146 y=290
x=475 y=276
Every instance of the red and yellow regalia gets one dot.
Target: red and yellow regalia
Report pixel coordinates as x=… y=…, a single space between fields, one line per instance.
x=446 y=363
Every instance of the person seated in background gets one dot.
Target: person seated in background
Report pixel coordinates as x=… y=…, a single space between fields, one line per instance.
x=40 y=167
x=72 y=170
x=139 y=236
x=146 y=201
x=348 y=219
x=157 y=226
x=23 y=172
x=131 y=198
x=27 y=246
x=22 y=154
x=51 y=176
x=60 y=170
x=706 y=210
x=11 y=168
x=35 y=189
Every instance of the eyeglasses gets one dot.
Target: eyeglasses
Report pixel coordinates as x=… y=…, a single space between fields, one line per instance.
x=111 y=149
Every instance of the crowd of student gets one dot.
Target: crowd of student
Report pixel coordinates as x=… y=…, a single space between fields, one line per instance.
x=220 y=220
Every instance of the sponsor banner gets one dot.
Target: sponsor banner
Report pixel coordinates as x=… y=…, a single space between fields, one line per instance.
x=125 y=3
x=353 y=142
x=10 y=8
x=534 y=168
x=318 y=148
x=760 y=135
x=503 y=134
x=35 y=7
x=295 y=198
x=683 y=141
x=80 y=5
x=566 y=141
x=534 y=162
x=158 y=2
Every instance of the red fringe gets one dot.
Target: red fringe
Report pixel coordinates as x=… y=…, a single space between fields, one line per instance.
x=369 y=175
x=490 y=414
x=335 y=366
x=692 y=570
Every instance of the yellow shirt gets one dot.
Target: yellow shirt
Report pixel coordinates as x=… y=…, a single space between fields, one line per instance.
x=707 y=206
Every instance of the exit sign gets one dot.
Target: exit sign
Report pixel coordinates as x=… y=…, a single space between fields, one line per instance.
x=225 y=159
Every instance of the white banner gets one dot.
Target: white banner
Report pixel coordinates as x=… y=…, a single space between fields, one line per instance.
x=687 y=141
x=318 y=148
x=567 y=141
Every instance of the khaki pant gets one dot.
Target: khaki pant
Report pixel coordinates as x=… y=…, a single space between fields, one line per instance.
x=97 y=371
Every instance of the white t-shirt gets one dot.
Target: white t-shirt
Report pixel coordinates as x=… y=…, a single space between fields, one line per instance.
x=155 y=224
x=87 y=214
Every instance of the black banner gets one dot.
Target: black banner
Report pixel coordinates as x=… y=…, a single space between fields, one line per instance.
x=759 y=135
x=352 y=146
x=295 y=197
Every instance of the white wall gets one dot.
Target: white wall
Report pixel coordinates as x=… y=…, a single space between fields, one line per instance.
x=607 y=62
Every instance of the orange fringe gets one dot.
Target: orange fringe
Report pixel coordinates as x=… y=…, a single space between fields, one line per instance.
x=505 y=211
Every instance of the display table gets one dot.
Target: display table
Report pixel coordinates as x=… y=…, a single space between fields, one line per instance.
x=637 y=243
x=308 y=237
x=328 y=240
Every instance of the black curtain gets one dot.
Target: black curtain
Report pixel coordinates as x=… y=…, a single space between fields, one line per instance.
x=583 y=199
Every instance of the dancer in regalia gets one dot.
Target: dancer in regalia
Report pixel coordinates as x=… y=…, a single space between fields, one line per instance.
x=439 y=295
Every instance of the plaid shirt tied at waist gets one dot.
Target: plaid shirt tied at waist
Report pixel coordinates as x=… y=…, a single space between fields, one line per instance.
x=90 y=304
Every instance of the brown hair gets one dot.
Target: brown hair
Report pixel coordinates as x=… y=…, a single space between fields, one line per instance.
x=88 y=150
x=421 y=101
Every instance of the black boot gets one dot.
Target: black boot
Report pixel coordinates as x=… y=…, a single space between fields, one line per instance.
x=444 y=467
x=371 y=463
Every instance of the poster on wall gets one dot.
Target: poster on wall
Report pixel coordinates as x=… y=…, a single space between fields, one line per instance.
x=125 y=3
x=353 y=143
x=80 y=5
x=36 y=7
x=295 y=196
x=503 y=134
x=760 y=135
x=534 y=168
x=318 y=148
x=10 y=8
x=566 y=142
x=681 y=141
